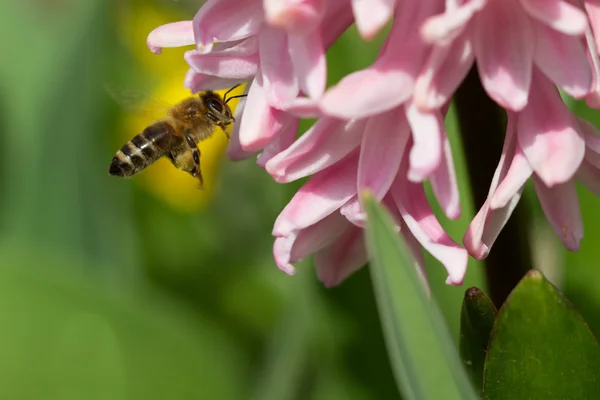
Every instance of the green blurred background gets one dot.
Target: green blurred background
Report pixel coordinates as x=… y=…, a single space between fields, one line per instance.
x=114 y=289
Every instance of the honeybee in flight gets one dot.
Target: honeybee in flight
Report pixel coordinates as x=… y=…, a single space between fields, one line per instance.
x=176 y=136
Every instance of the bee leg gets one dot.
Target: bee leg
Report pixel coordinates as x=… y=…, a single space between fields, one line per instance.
x=197 y=173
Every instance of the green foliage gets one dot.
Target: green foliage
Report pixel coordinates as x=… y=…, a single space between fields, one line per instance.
x=67 y=335
x=413 y=326
x=541 y=348
x=476 y=321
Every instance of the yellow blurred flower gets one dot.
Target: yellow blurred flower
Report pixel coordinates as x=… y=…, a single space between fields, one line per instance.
x=176 y=188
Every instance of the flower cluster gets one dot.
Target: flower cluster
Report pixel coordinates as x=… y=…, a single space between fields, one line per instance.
x=382 y=128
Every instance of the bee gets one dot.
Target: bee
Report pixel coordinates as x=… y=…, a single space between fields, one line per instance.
x=176 y=136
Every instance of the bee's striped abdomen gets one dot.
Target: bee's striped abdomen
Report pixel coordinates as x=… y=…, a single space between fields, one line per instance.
x=142 y=150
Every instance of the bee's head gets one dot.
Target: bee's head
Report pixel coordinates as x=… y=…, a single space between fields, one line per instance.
x=217 y=109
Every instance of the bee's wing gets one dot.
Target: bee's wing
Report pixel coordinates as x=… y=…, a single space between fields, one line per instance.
x=137 y=101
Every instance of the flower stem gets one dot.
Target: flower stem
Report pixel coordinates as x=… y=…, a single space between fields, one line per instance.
x=483 y=125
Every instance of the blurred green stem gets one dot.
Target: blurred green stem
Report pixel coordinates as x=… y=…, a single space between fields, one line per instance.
x=482 y=124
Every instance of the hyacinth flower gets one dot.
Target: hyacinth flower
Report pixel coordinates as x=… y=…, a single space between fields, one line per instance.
x=381 y=128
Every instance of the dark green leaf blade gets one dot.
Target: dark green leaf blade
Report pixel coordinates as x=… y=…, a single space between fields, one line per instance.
x=541 y=348
x=476 y=322
x=424 y=359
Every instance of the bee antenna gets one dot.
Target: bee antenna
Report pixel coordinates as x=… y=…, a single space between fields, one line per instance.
x=227 y=92
x=235 y=97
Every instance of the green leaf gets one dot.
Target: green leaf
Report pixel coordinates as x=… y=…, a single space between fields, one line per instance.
x=476 y=322
x=541 y=348
x=423 y=356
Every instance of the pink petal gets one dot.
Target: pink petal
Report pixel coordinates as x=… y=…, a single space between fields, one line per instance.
x=503 y=41
x=372 y=15
x=318 y=236
x=340 y=259
x=323 y=194
x=557 y=14
x=487 y=224
x=308 y=56
x=197 y=82
x=381 y=151
x=298 y=16
x=444 y=183
x=237 y=48
x=304 y=107
x=516 y=177
x=260 y=122
x=175 y=34
x=561 y=206
x=563 y=59
x=354 y=212
x=282 y=250
x=548 y=134
x=390 y=80
x=328 y=141
x=444 y=28
x=426 y=152
x=589 y=176
x=281 y=85
x=234 y=150
x=285 y=138
x=222 y=66
x=338 y=18
x=445 y=69
x=414 y=208
x=226 y=21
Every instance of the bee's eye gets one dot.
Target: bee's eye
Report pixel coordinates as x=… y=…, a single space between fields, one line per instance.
x=215 y=105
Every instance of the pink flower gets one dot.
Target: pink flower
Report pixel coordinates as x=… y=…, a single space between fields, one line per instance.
x=382 y=128
x=552 y=147
x=279 y=47
x=507 y=38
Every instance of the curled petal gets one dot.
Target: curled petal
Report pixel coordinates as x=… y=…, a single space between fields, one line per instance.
x=487 y=225
x=260 y=122
x=175 y=34
x=280 y=82
x=557 y=14
x=308 y=56
x=518 y=173
x=548 y=134
x=561 y=207
x=503 y=41
x=340 y=259
x=240 y=68
x=294 y=16
x=323 y=194
x=328 y=141
x=426 y=153
x=413 y=206
x=226 y=21
x=563 y=59
x=282 y=249
x=371 y=16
